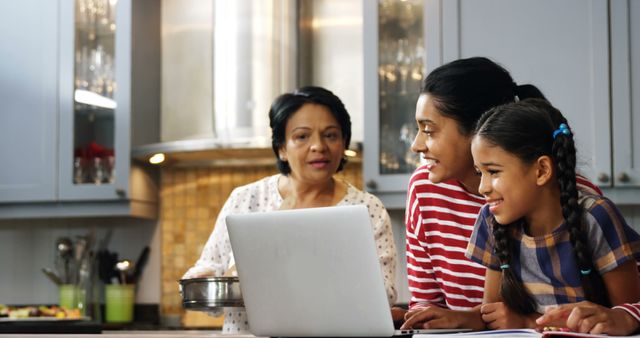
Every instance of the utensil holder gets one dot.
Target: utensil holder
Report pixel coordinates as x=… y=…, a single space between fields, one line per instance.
x=71 y=297
x=119 y=300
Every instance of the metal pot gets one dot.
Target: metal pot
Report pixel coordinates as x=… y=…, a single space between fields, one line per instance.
x=205 y=294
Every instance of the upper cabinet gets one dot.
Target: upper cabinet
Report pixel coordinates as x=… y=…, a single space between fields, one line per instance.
x=625 y=92
x=82 y=88
x=29 y=98
x=394 y=64
x=584 y=59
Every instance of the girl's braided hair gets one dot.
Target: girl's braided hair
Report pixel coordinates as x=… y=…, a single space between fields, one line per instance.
x=502 y=126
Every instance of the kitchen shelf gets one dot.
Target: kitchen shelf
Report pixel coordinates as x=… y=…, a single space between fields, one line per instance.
x=216 y=152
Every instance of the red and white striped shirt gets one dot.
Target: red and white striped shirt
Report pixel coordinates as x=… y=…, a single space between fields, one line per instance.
x=632 y=309
x=439 y=221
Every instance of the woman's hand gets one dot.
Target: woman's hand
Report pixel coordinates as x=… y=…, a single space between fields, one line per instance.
x=201 y=272
x=397 y=314
x=434 y=317
x=498 y=316
x=587 y=317
x=198 y=272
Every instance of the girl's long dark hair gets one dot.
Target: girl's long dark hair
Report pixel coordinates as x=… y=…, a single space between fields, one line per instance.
x=526 y=129
x=464 y=89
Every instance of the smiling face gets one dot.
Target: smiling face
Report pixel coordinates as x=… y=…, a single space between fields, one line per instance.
x=509 y=185
x=447 y=151
x=313 y=145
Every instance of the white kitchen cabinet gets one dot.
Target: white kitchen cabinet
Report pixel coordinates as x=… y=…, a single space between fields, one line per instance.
x=88 y=91
x=583 y=60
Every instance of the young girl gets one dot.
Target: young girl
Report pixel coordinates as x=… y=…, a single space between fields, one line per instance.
x=544 y=245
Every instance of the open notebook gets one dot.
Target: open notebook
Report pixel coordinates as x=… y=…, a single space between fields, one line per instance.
x=515 y=334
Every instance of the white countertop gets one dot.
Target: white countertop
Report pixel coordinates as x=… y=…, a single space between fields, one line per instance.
x=142 y=334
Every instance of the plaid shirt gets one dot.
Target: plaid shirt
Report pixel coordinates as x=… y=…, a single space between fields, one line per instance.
x=546 y=264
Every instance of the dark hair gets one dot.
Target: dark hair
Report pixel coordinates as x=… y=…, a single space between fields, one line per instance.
x=466 y=88
x=503 y=127
x=285 y=105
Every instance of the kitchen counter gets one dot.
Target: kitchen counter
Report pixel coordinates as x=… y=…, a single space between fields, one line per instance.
x=143 y=334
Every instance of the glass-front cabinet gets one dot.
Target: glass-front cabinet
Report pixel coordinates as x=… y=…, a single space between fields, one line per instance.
x=109 y=98
x=94 y=89
x=88 y=93
x=395 y=58
x=95 y=101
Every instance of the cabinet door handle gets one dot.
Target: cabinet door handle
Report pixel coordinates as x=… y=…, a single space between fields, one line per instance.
x=121 y=192
x=372 y=185
x=624 y=177
x=603 y=178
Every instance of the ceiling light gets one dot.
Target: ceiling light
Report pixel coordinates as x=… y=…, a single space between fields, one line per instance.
x=157 y=158
x=350 y=153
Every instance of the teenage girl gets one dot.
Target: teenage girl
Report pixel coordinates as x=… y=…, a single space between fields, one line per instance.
x=542 y=244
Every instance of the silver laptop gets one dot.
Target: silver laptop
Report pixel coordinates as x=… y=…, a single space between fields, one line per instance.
x=311 y=273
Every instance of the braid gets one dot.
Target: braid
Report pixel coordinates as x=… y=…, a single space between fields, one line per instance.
x=512 y=290
x=564 y=153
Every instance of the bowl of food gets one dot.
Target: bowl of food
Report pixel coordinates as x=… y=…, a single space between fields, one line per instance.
x=205 y=294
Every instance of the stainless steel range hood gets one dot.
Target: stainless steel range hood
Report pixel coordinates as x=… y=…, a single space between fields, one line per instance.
x=223 y=62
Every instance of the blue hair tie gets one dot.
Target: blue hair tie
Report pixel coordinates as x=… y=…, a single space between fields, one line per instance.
x=504 y=266
x=585 y=272
x=563 y=129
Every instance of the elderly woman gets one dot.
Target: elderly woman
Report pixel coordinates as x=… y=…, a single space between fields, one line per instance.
x=310 y=131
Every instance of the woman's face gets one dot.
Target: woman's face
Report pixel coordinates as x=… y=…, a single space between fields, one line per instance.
x=313 y=145
x=508 y=184
x=446 y=152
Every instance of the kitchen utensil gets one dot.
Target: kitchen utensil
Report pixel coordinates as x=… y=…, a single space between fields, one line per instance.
x=52 y=276
x=79 y=262
x=140 y=263
x=206 y=294
x=104 y=242
x=64 y=248
x=123 y=267
x=80 y=248
x=107 y=266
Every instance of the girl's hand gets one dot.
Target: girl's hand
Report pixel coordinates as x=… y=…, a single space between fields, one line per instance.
x=587 y=317
x=498 y=316
x=434 y=317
